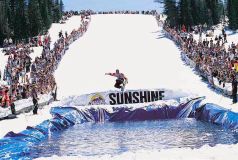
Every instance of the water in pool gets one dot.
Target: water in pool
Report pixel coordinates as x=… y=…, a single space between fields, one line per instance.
x=91 y=139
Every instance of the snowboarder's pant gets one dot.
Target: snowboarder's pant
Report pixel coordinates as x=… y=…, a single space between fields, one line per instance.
x=118 y=83
x=35 y=102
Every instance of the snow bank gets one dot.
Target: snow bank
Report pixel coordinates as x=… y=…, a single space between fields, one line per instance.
x=25 y=119
x=24 y=105
x=220 y=152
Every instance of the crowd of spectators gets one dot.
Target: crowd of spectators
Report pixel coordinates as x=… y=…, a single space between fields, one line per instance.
x=23 y=74
x=151 y=12
x=32 y=42
x=69 y=14
x=212 y=59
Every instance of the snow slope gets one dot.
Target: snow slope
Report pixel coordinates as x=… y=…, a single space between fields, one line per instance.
x=135 y=45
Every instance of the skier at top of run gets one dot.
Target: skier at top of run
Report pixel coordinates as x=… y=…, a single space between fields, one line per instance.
x=121 y=80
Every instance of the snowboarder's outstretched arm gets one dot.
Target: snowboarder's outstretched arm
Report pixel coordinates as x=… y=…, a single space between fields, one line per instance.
x=111 y=74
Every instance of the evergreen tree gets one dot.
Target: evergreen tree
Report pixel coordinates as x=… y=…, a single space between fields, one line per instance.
x=61 y=8
x=232 y=6
x=2 y=21
x=192 y=12
x=185 y=13
x=5 y=29
x=11 y=13
x=195 y=12
x=199 y=12
x=215 y=10
x=46 y=17
x=50 y=10
x=21 y=21
x=35 y=19
x=171 y=11
x=56 y=11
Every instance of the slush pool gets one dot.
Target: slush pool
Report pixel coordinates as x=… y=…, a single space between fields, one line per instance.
x=90 y=139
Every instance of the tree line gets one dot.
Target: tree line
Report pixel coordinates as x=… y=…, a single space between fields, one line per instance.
x=201 y=12
x=21 y=19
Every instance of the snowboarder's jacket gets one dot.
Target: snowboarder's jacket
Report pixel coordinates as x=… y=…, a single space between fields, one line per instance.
x=118 y=75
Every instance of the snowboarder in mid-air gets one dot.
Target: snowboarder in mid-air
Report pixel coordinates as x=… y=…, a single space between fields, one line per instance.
x=121 y=80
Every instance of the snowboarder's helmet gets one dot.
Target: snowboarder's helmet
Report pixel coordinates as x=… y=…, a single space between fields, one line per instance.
x=117 y=70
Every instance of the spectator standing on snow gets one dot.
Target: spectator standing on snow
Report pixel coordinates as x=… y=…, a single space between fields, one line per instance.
x=34 y=99
x=39 y=40
x=5 y=98
x=66 y=34
x=28 y=63
x=60 y=34
x=12 y=104
x=10 y=41
x=5 y=43
x=234 y=89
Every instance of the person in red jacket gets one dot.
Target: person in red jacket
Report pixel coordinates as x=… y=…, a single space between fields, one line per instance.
x=184 y=28
x=121 y=80
x=39 y=40
x=5 y=99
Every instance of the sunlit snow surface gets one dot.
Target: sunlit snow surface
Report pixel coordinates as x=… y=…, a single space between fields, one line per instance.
x=220 y=152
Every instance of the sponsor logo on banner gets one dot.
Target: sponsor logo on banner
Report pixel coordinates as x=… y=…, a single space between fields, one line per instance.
x=97 y=99
x=131 y=97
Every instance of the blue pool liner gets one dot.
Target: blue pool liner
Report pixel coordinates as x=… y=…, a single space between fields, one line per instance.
x=16 y=146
